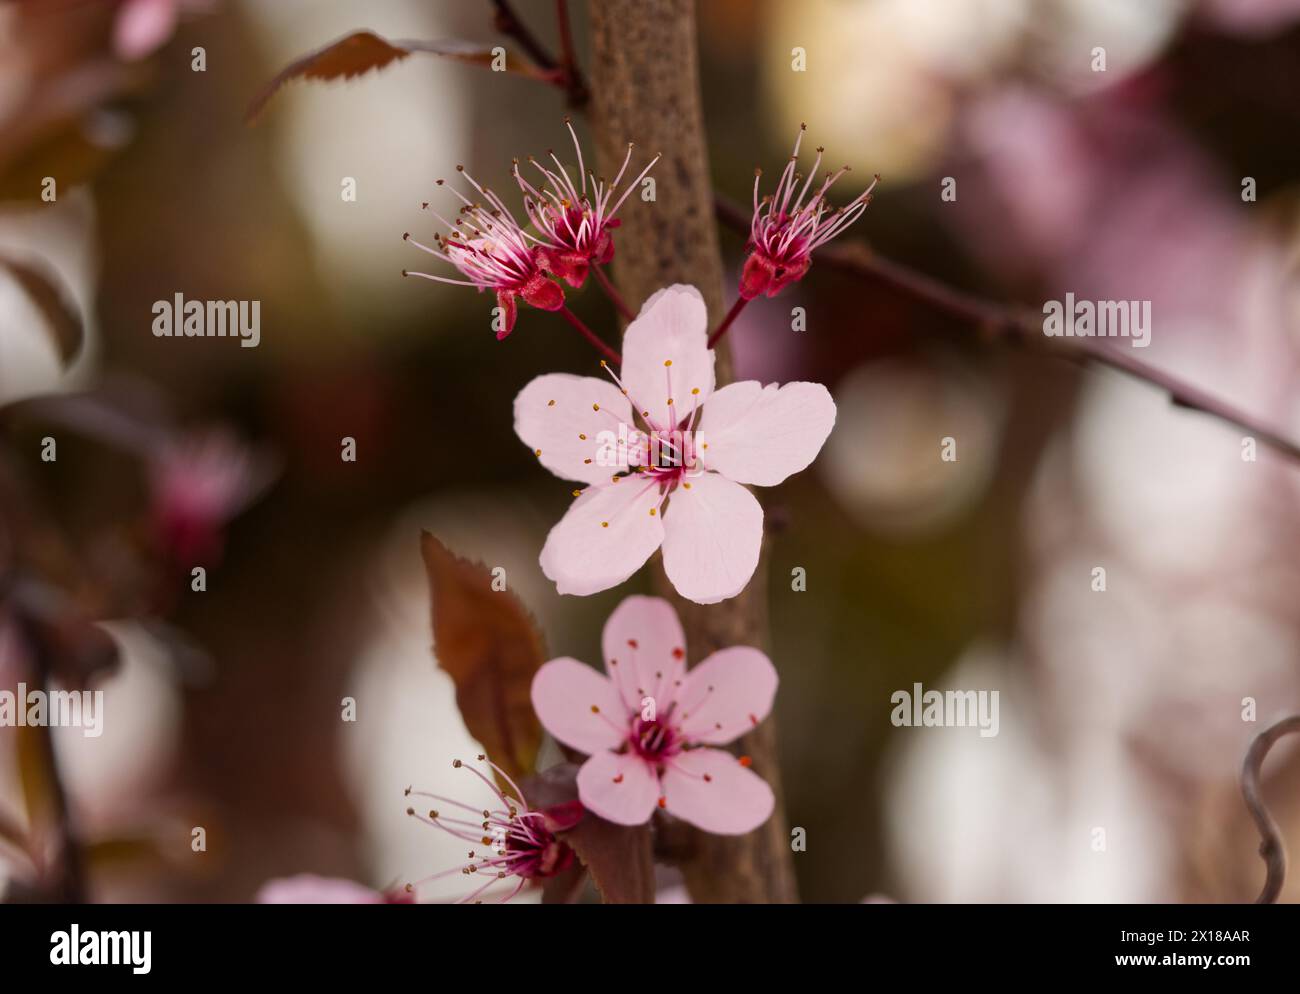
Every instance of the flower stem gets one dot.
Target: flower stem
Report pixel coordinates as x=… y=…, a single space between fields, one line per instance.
x=612 y=293
x=732 y=314
x=590 y=336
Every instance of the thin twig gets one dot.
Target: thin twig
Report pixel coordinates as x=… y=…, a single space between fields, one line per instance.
x=612 y=293
x=591 y=336
x=1271 y=849
x=510 y=25
x=574 y=83
x=1020 y=327
x=732 y=314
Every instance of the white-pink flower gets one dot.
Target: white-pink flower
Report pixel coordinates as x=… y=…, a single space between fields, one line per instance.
x=649 y=723
x=709 y=525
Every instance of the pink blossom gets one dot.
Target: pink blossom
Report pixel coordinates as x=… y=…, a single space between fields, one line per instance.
x=692 y=504
x=517 y=842
x=648 y=724
x=198 y=484
x=577 y=225
x=141 y=27
x=307 y=888
x=493 y=252
x=786 y=229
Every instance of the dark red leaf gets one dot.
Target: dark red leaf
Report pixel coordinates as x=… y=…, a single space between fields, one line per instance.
x=488 y=643
x=362 y=51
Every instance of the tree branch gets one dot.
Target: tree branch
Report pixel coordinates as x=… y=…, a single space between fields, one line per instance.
x=1271 y=848
x=1022 y=328
x=645 y=74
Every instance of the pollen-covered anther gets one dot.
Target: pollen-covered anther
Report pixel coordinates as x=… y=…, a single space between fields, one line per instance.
x=663 y=802
x=746 y=761
x=595 y=709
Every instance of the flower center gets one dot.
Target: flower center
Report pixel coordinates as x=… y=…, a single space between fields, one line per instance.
x=541 y=855
x=654 y=741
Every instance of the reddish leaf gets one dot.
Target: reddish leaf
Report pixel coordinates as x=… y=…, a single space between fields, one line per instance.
x=62 y=319
x=618 y=857
x=362 y=51
x=490 y=646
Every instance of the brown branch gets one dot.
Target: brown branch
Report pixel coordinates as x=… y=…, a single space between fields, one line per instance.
x=1021 y=327
x=646 y=88
x=1271 y=849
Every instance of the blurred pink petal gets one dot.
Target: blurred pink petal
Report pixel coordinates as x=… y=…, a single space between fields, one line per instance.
x=143 y=26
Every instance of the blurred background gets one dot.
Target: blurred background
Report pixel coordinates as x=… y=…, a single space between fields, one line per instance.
x=1120 y=710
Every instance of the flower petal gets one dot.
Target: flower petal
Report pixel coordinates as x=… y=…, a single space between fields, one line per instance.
x=606 y=535
x=553 y=413
x=143 y=26
x=712 y=532
x=762 y=434
x=726 y=695
x=579 y=706
x=509 y=312
x=544 y=294
x=619 y=788
x=645 y=651
x=666 y=356
x=713 y=791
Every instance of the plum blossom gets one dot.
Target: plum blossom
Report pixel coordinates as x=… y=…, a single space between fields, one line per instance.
x=493 y=252
x=649 y=722
x=692 y=504
x=517 y=842
x=198 y=483
x=786 y=229
x=577 y=225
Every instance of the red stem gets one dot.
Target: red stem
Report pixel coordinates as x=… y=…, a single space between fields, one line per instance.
x=590 y=336
x=612 y=293
x=736 y=308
